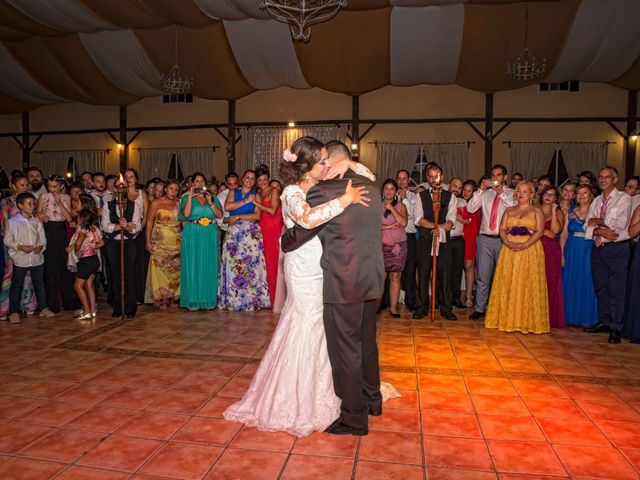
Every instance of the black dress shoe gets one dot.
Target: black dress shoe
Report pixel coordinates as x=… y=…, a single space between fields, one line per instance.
x=614 y=337
x=418 y=315
x=395 y=315
x=476 y=315
x=597 y=328
x=448 y=316
x=458 y=304
x=339 y=428
x=131 y=315
x=410 y=306
x=116 y=314
x=375 y=412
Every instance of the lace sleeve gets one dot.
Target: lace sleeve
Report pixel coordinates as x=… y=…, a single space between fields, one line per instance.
x=305 y=216
x=364 y=171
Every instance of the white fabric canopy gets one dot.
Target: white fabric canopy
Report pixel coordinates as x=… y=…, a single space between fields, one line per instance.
x=67 y=15
x=231 y=9
x=578 y=157
x=603 y=42
x=265 y=54
x=425 y=44
x=531 y=159
x=121 y=58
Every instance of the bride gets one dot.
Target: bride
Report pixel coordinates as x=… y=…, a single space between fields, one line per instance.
x=292 y=390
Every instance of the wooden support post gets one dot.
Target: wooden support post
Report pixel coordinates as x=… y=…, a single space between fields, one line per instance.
x=124 y=149
x=231 y=137
x=488 y=132
x=26 y=142
x=355 y=126
x=630 y=143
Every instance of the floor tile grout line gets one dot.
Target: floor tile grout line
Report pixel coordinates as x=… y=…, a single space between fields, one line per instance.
x=423 y=450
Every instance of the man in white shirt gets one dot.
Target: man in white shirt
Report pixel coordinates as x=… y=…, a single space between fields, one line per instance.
x=607 y=224
x=232 y=182
x=457 y=245
x=99 y=192
x=409 y=198
x=493 y=197
x=424 y=219
x=113 y=223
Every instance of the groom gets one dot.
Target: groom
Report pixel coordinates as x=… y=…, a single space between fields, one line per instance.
x=353 y=280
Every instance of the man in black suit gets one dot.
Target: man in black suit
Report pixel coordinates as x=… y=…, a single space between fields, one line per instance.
x=353 y=279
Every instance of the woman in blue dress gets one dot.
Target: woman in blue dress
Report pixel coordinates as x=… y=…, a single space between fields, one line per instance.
x=198 y=248
x=580 y=302
x=243 y=274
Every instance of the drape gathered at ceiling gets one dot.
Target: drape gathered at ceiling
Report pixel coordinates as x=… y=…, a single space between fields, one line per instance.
x=156 y=162
x=264 y=145
x=578 y=157
x=531 y=159
x=57 y=162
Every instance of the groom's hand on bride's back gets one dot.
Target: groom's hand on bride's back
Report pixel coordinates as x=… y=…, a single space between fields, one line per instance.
x=354 y=196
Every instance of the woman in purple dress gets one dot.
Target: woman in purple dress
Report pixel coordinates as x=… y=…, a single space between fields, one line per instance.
x=553 y=224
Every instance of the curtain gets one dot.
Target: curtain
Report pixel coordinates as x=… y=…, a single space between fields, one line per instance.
x=578 y=157
x=90 y=160
x=391 y=157
x=264 y=145
x=197 y=159
x=56 y=163
x=154 y=162
x=452 y=157
x=531 y=159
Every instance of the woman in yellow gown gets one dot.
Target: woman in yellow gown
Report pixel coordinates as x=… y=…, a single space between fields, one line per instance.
x=518 y=301
x=163 y=242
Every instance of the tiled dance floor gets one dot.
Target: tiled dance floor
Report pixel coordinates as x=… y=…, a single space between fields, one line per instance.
x=143 y=399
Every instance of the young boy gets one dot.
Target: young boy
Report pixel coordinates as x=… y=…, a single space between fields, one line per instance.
x=25 y=239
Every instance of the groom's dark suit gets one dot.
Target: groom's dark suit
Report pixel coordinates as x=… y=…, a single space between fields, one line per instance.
x=353 y=279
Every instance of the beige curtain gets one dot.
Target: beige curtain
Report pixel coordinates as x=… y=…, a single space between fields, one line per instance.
x=155 y=162
x=452 y=157
x=578 y=157
x=391 y=157
x=531 y=159
x=90 y=160
x=264 y=145
x=197 y=159
x=56 y=162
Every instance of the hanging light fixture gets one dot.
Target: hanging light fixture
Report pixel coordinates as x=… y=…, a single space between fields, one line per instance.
x=526 y=67
x=176 y=81
x=301 y=14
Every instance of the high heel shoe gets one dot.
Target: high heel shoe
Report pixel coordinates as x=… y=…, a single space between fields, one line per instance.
x=86 y=316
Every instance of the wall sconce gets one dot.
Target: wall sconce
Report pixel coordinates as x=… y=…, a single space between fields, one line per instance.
x=69 y=174
x=634 y=136
x=292 y=124
x=120 y=146
x=354 y=147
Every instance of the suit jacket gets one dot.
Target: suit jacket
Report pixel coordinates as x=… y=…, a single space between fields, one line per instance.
x=352 y=244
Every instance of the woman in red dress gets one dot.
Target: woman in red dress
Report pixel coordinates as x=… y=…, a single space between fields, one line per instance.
x=470 y=233
x=271 y=225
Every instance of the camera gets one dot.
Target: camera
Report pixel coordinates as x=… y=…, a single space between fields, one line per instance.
x=198 y=191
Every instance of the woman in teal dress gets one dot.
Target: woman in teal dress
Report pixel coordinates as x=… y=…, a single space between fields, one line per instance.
x=199 y=247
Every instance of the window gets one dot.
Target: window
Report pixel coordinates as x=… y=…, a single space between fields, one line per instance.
x=168 y=98
x=418 y=173
x=557 y=169
x=571 y=86
x=175 y=171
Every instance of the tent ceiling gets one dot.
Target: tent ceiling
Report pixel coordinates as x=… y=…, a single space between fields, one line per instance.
x=115 y=51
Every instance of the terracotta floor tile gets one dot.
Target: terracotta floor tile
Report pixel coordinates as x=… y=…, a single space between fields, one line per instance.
x=156 y=425
x=325 y=444
x=216 y=407
x=15 y=435
x=130 y=397
x=174 y=401
x=181 y=460
x=600 y=409
x=10 y=383
x=119 y=452
x=521 y=457
x=572 y=430
x=221 y=369
x=102 y=418
x=628 y=393
x=450 y=424
x=302 y=467
x=63 y=445
x=490 y=386
x=396 y=420
x=45 y=388
x=595 y=462
x=588 y=391
x=404 y=381
x=554 y=408
x=446 y=401
x=243 y=464
x=88 y=393
x=387 y=471
x=517 y=476
x=445 y=452
x=15 y=407
x=89 y=473
x=391 y=447
x=201 y=383
x=437 y=473
x=503 y=427
x=407 y=401
x=214 y=431
x=442 y=383
x=499 y=405
x=28 y=469
x=253 y=439
x=235 y=388
x=539 y=388
x=633 y=455
x=622 y=434
x=55 y=413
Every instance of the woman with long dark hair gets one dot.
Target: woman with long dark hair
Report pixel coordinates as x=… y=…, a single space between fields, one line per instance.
x=140 y=198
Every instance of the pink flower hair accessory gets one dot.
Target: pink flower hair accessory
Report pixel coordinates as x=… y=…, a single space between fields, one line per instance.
x=288 y=156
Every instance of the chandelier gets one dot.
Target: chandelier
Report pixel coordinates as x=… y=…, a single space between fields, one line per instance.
x=176 y=81
x=526 y=67
x=301 y=14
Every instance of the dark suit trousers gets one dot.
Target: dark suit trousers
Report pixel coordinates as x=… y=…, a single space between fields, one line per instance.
x=351 y=341
x=113 y=254
x=609 y=271
x=425 y=263
x=457 y=262
x=409 y=272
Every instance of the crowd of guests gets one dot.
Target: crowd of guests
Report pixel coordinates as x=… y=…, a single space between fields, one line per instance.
x=533 y=255
x=530 y=255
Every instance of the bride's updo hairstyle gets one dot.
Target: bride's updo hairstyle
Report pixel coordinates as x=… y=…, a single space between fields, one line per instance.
x=303 y=154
